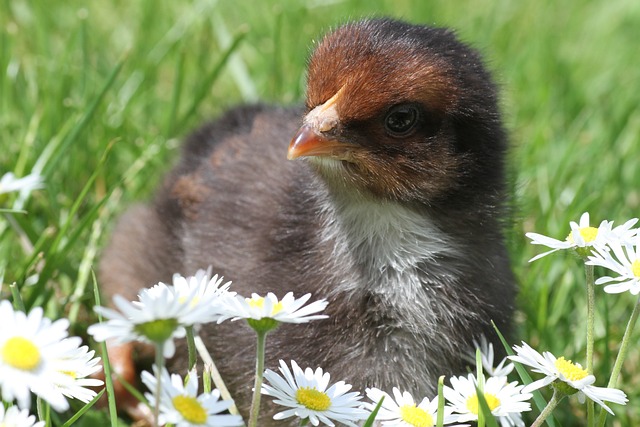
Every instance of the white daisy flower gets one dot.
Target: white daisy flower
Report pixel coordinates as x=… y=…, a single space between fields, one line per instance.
x=287 y=310
x=622 y=233
x=157 y=318
x=505 y=400
x=30 y=345
x=307 y=396
x=180 y=404
x=402 y=411
x=562 y=371
x=78 y=364
x=202 y=293
x=9 y=183
x=583 y=235
x=487 y=354
x=14 y=417
x=626 y=263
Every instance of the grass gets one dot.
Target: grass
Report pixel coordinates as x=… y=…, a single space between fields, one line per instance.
x=96 y=97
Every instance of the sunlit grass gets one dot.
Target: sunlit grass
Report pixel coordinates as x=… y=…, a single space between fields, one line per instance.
x=97 y=96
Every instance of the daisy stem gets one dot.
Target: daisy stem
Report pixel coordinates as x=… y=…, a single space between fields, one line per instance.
x=622 y=354
x=159 y=366
x=624 y=346
x=255 y=402
x=191 y=347
x=591 y=302
x=590 y=315
x=551 y=405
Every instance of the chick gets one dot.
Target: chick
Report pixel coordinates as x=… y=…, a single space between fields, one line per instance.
x=394 y=213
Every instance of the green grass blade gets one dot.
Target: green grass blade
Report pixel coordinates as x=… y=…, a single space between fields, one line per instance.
x=53 y=254
x=13 y=211
x=18 y=303
x=373 y=415
x=86 y=118
x=83 y=410
x=88 y=258
x=540 y=401
x=489 y=419
x=440 y=416
x=205 y=87
x=106 y=366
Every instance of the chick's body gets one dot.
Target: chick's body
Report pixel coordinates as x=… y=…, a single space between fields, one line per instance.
x=395 y=217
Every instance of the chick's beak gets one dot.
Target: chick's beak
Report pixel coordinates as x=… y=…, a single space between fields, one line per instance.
x=308 y=142
x=313 y=139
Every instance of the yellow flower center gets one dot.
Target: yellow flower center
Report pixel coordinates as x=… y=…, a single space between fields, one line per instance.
x=190 y=409
x=21 y=353
x=258 y=302
x=588 y=234
x=571 y=371
x=415 y=416
x=635 y=268
x=473 y=405
x=313 y=399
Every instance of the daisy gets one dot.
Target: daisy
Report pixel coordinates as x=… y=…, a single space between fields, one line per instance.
x=623 y=233
x=180 y=404
x=582 y=236
x=626 y=263
x=14 y=417
x=487 y=354
x=157 y=318
x=307 y=396
x=286 y=310
x=78 y=364
x=9 y=183
x=505 y=400
x=202 y=293
x=402 y=410
x=30 y=345
x=561 y=371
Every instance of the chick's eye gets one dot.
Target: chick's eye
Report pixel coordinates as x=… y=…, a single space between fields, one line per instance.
x=401 y=120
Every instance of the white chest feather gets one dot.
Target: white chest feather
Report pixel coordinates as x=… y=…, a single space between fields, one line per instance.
x=390 y=245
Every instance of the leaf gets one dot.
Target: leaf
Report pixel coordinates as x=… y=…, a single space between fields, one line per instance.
x=372 y=417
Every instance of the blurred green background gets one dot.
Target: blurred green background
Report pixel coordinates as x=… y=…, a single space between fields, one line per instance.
x=97 y=96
